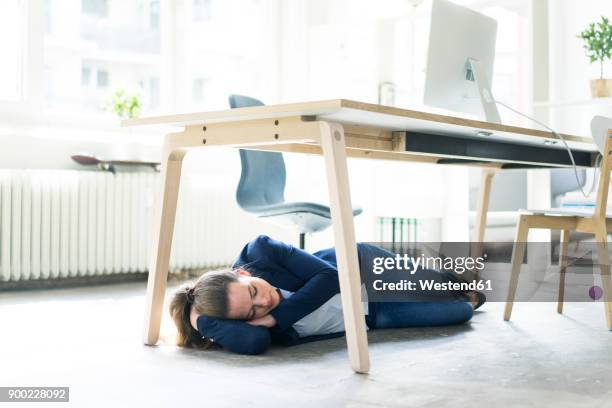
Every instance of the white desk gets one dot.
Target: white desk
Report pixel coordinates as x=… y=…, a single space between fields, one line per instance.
x=337 y=129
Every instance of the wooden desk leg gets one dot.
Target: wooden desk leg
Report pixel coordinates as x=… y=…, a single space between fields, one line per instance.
x=480 y=223
x=562 y=267
x=601 y=236
x=333 y=145
x=165 y=211
x=518 y=253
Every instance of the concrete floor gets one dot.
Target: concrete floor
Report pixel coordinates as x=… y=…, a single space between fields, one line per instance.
x=90 y=339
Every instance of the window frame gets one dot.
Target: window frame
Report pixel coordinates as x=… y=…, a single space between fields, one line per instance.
x=30 y=101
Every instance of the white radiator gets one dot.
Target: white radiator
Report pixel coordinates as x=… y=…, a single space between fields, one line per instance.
x=62 y=223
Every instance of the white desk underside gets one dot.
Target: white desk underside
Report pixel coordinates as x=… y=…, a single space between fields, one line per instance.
x=375 y=116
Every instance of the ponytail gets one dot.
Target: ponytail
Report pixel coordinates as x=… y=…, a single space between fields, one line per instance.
x=209 y=297
x=180 y=310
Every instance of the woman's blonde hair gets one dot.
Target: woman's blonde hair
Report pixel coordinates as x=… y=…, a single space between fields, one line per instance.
x=208 y=296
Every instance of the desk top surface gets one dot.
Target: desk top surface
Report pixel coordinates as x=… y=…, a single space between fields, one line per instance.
x=378 y=116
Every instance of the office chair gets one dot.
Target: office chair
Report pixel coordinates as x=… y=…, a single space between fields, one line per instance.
x=563 y=181
x=594 y=221
x=262 y=185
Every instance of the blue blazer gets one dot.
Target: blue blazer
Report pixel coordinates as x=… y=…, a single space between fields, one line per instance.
x=312 y=277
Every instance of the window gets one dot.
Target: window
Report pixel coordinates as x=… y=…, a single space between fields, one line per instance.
x=511 y=70
x=201 y=10
x=93 y=48
x=226 y=52
x=154 y=15
x=12 y=48
x=104 y=46
x=85 y=76
x=102 y=79
x=198 y=91
x=347 y=43
x=47 y=12
x=151 y=91
x=98 y=8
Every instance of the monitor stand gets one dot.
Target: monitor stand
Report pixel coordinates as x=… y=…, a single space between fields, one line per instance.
x=476 y=73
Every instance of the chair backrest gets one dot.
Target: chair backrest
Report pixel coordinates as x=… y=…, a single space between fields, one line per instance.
x=263 y=177
x=564 y=180
x=600 y=125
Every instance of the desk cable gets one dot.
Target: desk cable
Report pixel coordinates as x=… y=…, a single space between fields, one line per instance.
x=569 y=152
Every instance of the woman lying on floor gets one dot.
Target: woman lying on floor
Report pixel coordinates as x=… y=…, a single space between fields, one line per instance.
x=277 y=293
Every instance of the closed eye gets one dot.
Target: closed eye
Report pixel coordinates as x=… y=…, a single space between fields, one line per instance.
x=253 y=293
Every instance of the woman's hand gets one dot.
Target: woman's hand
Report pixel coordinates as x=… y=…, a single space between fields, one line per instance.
x=266 y=321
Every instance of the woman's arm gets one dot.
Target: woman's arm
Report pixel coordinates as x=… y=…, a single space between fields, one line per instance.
x=235 y=335
x=318 y=280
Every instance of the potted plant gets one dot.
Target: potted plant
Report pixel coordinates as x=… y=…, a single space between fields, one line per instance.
x=126 y=105
x=597 y=39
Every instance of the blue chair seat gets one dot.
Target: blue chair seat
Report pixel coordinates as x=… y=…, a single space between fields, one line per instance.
x=304 y=217
x=273 y=210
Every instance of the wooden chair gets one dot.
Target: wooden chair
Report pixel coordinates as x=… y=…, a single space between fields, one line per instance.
x=595 y=222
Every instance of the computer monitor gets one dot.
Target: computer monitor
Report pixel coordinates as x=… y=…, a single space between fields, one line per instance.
x=460 y=61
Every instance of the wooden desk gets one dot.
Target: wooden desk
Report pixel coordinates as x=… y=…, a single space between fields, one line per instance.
x=337 y=129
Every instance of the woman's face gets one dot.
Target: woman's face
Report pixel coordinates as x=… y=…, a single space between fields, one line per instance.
x=250 y=297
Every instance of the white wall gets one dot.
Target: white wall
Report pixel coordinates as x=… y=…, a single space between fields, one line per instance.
x=570 y=67
x=570 y=70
